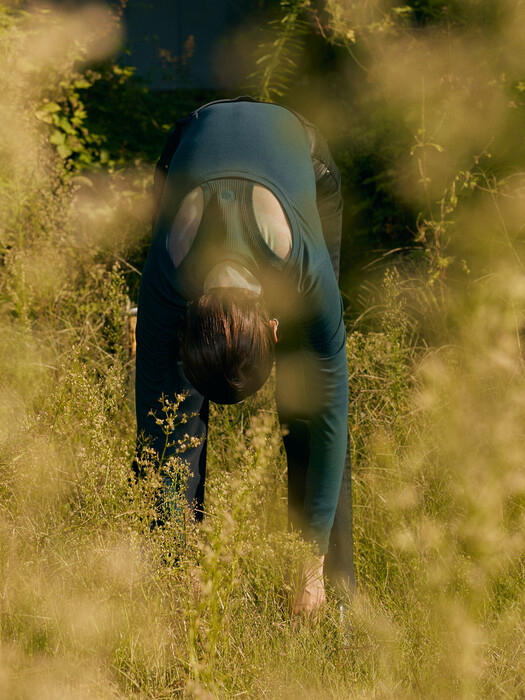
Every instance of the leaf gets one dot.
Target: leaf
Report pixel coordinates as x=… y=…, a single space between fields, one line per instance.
x=64 y=151
x=50 y=107
x=44 y=116
x=277 y=65
x=64 y=124
x=402 y=11
x=57 y=138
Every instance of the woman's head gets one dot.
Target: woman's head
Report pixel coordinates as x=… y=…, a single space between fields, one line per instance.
x=228 y=344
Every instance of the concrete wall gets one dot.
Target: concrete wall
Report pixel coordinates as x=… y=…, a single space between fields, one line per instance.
x=158 y=31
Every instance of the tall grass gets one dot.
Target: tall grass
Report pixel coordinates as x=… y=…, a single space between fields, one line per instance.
x=95 y=603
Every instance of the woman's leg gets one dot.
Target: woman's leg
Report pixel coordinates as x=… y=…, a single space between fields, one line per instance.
x=197 y=426
x=194 y=411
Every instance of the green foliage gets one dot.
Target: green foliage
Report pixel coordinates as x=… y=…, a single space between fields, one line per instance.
x=77 y=146
x=276 y=62
x=135 y=120
x=96 y=602
x=421 y=103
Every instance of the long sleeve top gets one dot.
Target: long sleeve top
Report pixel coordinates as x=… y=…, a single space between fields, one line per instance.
x=226 y=149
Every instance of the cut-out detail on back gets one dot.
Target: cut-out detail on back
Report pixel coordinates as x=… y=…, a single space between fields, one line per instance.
x=268 y=215
x=272 y=221
x=185 y=225
x=229 y=273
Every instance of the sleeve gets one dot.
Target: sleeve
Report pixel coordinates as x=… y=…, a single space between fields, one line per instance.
x=328 y=191
x=312 y=384
x=328 y=377
x=163 y=163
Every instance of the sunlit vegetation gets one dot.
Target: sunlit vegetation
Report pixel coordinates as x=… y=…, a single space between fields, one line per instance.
x=423 y=104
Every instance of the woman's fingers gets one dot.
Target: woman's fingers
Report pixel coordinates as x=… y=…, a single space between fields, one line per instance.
x=310 y=593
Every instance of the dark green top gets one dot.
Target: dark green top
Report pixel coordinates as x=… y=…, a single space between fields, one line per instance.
x=226 y=148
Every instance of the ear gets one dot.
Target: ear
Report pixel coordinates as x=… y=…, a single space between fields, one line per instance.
x=274 y=325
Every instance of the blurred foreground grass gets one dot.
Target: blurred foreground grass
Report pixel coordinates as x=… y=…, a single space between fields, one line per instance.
x=93 y=604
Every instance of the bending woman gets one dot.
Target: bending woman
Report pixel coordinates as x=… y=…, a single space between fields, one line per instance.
x=244 y=266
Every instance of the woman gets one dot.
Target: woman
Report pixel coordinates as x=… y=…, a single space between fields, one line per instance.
x=244 y=265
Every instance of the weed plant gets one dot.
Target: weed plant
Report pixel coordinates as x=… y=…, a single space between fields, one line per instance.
x=95 y=602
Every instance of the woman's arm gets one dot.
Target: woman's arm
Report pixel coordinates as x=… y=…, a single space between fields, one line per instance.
x=312 y=390
x=161 y=169
x=328 y=191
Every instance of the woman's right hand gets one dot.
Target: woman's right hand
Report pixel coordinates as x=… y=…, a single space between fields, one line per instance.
x=310 y=592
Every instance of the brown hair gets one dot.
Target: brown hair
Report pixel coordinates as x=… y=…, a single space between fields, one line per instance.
x=227 y=347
